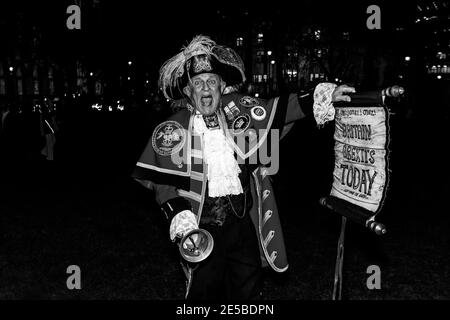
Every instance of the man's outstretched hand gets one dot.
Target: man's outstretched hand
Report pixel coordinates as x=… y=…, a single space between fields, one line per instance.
x=339 y=94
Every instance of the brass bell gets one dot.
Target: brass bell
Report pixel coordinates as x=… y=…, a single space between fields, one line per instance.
x=196 y=245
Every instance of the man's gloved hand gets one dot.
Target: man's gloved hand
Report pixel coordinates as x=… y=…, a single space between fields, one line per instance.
x=339 y=93
x=182 y=223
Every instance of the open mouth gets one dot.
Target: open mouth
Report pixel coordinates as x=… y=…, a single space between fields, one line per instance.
x=206 y=101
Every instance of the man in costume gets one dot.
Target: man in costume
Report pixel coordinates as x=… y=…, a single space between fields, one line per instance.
x=205 y=166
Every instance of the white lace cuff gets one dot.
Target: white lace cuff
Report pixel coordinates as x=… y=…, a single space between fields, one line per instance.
x=182 y=223
x=323 y=105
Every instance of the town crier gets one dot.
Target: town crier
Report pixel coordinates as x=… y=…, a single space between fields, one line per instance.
x=209 y=166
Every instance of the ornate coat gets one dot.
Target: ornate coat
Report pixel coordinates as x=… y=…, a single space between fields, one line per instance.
x=172 y=162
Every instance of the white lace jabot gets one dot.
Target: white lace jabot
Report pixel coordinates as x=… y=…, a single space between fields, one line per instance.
x=223 y=169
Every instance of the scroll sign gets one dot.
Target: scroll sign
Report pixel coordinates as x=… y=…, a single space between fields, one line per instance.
x=361 y=168
x=361 y=157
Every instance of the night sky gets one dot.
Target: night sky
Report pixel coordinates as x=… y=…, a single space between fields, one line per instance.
x=155 y=30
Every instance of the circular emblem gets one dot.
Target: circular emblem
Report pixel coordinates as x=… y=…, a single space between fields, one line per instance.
x=168 y=138
x=248 y=101
x=258 y=113
x=240 y=124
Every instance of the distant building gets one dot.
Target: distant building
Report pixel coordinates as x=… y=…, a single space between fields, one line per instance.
x=432 y=18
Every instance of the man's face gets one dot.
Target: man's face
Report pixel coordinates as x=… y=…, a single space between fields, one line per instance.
x=204 y=91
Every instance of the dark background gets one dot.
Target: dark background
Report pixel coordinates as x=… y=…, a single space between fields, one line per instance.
x=83 y=209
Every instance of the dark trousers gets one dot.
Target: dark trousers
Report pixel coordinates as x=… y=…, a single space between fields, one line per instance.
x=233 y=270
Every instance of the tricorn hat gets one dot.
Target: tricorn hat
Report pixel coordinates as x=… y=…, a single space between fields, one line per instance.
x=202 y=55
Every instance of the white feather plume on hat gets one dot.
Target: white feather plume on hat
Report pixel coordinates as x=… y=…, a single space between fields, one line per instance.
x=174 y=68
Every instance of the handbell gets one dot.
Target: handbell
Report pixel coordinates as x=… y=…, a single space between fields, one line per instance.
x=196 y=245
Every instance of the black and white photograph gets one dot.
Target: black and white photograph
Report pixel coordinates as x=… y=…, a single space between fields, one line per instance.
x=224 y=156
